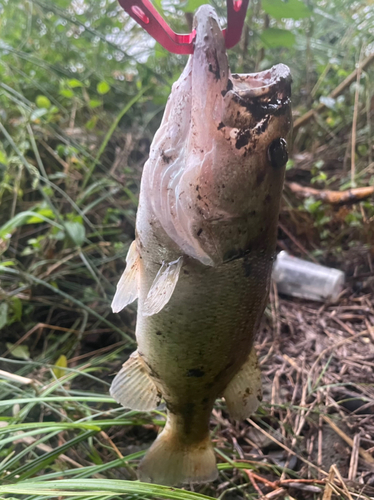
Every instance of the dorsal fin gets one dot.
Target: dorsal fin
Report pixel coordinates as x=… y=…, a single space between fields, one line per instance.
x=162 y=287
x=128 y=286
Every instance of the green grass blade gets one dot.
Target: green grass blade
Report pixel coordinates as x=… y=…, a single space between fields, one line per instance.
x=96 y=487
x=54 y=399
x=109 y=134
x=70 y=298
x=44 y=460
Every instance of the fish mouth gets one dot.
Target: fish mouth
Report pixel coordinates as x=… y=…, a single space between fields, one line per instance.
x=263 y=84
x=241 y=100
x=250 y=98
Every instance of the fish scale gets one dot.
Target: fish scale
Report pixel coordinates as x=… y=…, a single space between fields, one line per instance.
x=201 y=262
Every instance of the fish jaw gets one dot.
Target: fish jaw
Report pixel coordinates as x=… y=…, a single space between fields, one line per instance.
x=209 y=79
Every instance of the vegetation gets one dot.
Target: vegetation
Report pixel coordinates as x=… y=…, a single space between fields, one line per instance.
x=82 y=91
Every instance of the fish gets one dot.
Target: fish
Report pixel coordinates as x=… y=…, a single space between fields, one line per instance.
x=201 y=261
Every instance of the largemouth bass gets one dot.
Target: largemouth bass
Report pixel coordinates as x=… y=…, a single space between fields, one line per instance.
x=201 y=262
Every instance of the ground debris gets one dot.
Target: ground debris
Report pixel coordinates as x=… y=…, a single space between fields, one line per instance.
x=312 y=437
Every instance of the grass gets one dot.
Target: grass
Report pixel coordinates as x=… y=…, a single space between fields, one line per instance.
x=46 y=426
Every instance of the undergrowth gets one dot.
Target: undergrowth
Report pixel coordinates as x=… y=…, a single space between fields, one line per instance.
x=82 y=91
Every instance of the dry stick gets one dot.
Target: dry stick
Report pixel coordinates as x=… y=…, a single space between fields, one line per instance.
x=17 y=378
x=354 y=458
x=335 y=198
x=337 y=91
x=329 y=490
x=278 y=493
x=297 y=243
x=299 y=424
x=344 y=486
x=284 y=446
x=363 y=453
x=47 y=449
x=343 y=325
x=91 y=354
x=253 y=482
x=354 y=124
x=335 y=346
x=55 y=155
x=320 y=434
x=368 y=121
x=32 y=330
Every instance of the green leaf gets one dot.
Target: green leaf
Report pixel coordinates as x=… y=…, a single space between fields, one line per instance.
x=94 y=103
x=289 y=9
x=20 y=219
x=16 y=305
x=62 y=362
x=43 y=102
x=74 y=83
x=7 y=263
x=276 y=37
x=76 y=232
x=38 y=113
x=3 y=158
x=67 y=93
x=3 y=314
x=103 y=87
x=20 y=351
x=91 y=123
x=46 y=212
x=193 y=5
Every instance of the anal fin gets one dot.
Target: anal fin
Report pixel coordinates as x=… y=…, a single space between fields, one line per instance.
x=127 y=287
x=133 y=388
x=244 y=393
x=162 y=287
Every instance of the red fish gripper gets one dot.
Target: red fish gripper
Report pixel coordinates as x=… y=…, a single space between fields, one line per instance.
x=145 y=14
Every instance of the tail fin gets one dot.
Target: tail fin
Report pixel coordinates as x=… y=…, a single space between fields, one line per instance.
x=171 y=462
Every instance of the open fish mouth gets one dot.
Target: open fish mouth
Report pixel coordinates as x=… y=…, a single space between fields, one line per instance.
x=245 y=98
x=250 y=98
x=276 y=80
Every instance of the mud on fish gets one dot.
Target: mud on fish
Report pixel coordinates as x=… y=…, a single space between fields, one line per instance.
x=201 y=262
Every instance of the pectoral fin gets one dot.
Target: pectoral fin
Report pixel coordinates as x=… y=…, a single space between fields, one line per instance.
x=133 y=388
x=244 y=393
x=162 y=287
x=127 y=287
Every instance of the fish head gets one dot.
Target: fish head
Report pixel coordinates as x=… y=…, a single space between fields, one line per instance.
x=214 y=178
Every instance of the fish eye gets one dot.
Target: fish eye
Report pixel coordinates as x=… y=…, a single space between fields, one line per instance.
x=277 y=153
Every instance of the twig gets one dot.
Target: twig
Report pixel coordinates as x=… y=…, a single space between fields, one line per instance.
x=335 y=93
x=363 y=453
x=29 y=440
x=284 y=446
x=32 y=330
x=332 y=197
x=344 y=486
x=297 y=243
x=328 y=489
x=17 y=378
x=354 y=124
x=354 y=458
x=253 y=482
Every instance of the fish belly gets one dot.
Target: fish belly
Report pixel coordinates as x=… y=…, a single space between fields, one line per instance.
x=196 y=344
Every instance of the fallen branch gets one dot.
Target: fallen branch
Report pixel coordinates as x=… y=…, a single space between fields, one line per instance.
x=335 y=93
x=332 y=197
